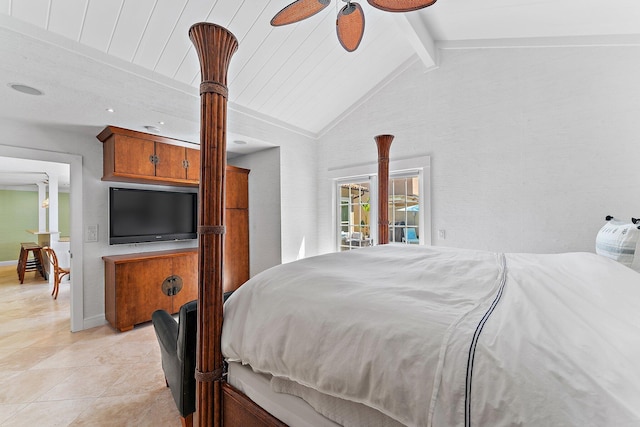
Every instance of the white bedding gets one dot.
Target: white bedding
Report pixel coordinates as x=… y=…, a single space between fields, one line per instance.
x=444 y=337
x=288 y=408
x=299 y=406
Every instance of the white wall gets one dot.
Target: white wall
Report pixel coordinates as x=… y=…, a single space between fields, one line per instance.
x=264 y=208
x=298 y=161
x=530 y=147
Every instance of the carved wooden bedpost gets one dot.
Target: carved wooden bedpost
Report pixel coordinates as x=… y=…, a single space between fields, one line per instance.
x=215 y=46
x=384 y=145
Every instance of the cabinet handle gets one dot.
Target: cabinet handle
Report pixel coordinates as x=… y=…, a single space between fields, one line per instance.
x=172 y=285
x=154 y=159
x=185 y=164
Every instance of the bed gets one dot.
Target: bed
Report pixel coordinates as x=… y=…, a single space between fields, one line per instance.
x=446 y=337
x=405 y=335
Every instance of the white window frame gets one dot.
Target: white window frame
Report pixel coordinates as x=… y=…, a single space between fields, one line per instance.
x=373 y=203
x=421 y=219
x=397 y=168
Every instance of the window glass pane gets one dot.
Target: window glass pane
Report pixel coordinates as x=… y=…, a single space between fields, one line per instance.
x=404 y=206
x=355 y=218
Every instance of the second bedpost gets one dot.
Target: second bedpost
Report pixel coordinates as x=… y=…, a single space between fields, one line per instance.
x=384 y=145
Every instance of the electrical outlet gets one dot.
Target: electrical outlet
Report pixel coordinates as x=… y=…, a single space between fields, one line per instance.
x=442 y=234
x=91 y=234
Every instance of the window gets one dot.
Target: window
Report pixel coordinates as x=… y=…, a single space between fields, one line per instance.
x=355 y=203
x=355 y=214
x=404 y=209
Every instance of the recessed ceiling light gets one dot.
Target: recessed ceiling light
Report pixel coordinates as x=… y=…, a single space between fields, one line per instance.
x=160 y=122
x=110 y=110
x=240 y=142
x=25 y=89
x=152 y=129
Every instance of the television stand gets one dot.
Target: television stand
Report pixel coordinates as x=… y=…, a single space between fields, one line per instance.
x=138 y=284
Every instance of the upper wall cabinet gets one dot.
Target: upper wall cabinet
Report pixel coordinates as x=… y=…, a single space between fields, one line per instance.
x=131 y=156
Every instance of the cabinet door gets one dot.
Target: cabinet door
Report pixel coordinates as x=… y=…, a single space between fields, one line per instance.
x=237 y=188
x=139 y=290
x=236 y=249
x=187 y=268
x=170 y=161
x=193 y=162
x=133 y=156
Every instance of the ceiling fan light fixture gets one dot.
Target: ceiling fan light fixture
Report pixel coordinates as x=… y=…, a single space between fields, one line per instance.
x=298 y=10
x=350 y=21
x=350 y=26
x=400 y=5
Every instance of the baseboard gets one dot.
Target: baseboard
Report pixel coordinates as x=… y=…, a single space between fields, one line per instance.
x=8 y=263
x=94 y=321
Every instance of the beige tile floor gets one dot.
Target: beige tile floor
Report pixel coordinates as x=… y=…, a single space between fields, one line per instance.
x=52 y=377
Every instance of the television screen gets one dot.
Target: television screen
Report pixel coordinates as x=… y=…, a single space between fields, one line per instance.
x=137 y=216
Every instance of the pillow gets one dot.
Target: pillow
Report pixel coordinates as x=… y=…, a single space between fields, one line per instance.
x=619 y=241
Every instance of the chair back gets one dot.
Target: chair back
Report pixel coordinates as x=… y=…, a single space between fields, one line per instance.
x=58 y=272
x=188 y=325
x=51 y=254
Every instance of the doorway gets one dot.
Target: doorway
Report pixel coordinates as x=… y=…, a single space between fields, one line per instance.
x=76 y=220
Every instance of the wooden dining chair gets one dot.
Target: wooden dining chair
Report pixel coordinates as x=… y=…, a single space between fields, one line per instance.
x=58 y=272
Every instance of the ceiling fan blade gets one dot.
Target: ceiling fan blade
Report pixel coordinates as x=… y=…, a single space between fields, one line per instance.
x=400 y=5
x=350 y=26
x=298 y=10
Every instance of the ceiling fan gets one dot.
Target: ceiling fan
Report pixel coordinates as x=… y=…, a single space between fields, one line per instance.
x=350 y=21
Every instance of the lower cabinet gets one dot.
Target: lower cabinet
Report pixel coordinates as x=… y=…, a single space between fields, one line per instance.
x=138 y=284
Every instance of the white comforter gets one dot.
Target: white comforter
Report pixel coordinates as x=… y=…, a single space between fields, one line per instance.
x=444 y=337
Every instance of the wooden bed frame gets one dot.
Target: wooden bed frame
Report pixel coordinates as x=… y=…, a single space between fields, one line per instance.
x=217 y=402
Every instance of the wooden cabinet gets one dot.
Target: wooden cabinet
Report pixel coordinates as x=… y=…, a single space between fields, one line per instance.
x=193 y=163
x=236 y=239
x=133 y=282
x=138 y=284
x=130 y=156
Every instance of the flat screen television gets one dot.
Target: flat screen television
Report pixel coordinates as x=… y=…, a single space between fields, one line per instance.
x=137 y=216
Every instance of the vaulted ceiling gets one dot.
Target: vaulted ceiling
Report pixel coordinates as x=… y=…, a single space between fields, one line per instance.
x=133 y=55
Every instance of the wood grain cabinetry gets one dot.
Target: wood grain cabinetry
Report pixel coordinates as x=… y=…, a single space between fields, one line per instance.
x=130 y=156
x=134 y=284
x=236 y=239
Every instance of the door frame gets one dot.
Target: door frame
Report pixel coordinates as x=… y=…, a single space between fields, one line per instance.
x=76 y=222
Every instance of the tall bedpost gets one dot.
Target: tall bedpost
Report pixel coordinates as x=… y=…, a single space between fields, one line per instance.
x=215 y=45
x=384 y=145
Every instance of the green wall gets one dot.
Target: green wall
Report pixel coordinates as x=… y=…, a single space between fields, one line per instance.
x=19 y=212
x=63 y=214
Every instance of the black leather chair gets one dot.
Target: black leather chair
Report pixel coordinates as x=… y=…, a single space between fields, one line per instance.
x=178 y=350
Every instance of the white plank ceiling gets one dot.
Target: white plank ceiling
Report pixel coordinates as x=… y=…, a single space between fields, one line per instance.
x=297 y=76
